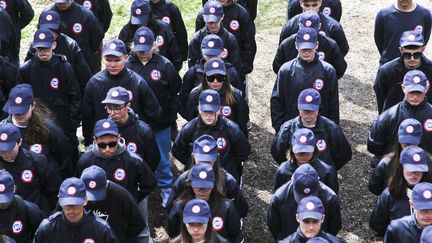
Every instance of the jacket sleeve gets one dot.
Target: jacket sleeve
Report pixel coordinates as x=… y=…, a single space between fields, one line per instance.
x=427 y=28
x=239 y=144
x=341 y=149
x=234 y=57
x=376 y=183
x=175 y=83
x=135 y=222
x=247 y=43
x=26 y=13
x=61 y=151
x=174 y=220
x=81 y=68
x=233 y=192
x=242 y=114
x=182 y=146
x=378 y=136
x=277 y=103
x=334 y=222
x=379 y=33
x=332 y=180
x=339 y=63
x=174 y=53
x=109 y=236
x=34 y=215
x=333 y=112
x=150 y=153
x=232 y=220
x=50 y=181
x=199 y=21
x=379 y=219
x=40 y=235
x=149 y=103
x=380 y=89
x=105 y=14
x=235 y=79
x=191 y=109
x=74 y=97
x=176 y=190
x=279 y=58
x=281 y=143
x=126 y=36
x=88 y=116
x=388 y=236
x=273 y=218
x=293 y=9
x=194 y=51
x=179 y=30
x=187 y=86
x=341 y=39
x=147 y=180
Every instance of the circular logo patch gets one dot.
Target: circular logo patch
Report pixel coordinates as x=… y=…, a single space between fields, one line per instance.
x=419 y=29
x=3 y=4
x=307 y=190
x=196 y=209
x=303 y=139
x=106 y=125
x=132 y=147
x=88 y=240
x=71 y=190
x=92 y=184
x=221 y=143
x=27 y=176
x=54 y=83
x=428 y=125
x=209 y=98
x=17 y=227
x=321 y=145
x=411 y=37
x=206 y=149
x=308 y=23
x=142 y=39
x=119 y=174
x=77 y=28
x=42 y=36
x=49 y=17
x=217 y=223
x=234 y=25
x=416 y=79
x=427 y=194
x=226 y=111
x=112 y=46
x=224 y=53
x=18 y=100
x=321 y=55
x=409 y=129
x=306 y=37
x=166 y=19
x=2 y=187
x=215 y=64
x=212 y=10
x=159 y=40
x=416 y=157
x=310 y=205
x=138 y=11
x=87 y=5
x=326 y=11
x=36 y=148
x=3 y=136
x=210 y=44
x=318 y=84
x=115 y=93
x=202 y=175
x=309 y=98
x=155 y=75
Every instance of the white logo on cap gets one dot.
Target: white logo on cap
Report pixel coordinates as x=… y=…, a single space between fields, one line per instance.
x=210 y=44
x=106 y=125
x=2 y=187
x=427 y=194
x=209 y=98
x=303 y=139
x=307 y=190
x=411 y=37
x=42 y=36
x=196 y=209
x=416 y=79
x=212 y=10
x=206 y=148
x=71 y=190
x=308 y=23
x=138 y=11
x=18 y=100
x=310 y=205
x=92 y=184
x=306 y=37
x=409 y=129
x=215 y=64
x=115 y=93
x=142 y=39
x=112 y=46
x=3 y=136
x=309 y=98
x=416 y=157
x=202 y=175
x=49 y=17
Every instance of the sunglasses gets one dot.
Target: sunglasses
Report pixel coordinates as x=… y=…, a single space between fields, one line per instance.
x=218 y=77
x=110 y=144
x=415 y=55
x=112 y=109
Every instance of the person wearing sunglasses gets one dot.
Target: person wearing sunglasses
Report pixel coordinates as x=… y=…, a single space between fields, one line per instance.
x=234 y=106
x=390 y=75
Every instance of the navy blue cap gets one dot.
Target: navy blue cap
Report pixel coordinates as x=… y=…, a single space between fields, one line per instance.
x=310 y=19
x=209 y=100
x=196 y=211
x=306 y=38
x=317 y=240
x=305 y=182
x=202 y=176
x=415 y=80
x=211 y=45
x=72 y=192
x=309 y=100
x=143 y=39
x=140 y=12
x=114 y=47
x=303 y=140
x=20 y=99
x=310 y=207
x=422 y=196
x=105 y=127
x=62 y=1
x=214 y=66
x=7 y=187
x=426 y=235
x=411 y=38
x=413 y=159
x=95 y=181
x=205 y=149
x=43 y=38
x=410 y=132
x=50 y=20
x=117 y=96
x=213 y=11
x=9 y=135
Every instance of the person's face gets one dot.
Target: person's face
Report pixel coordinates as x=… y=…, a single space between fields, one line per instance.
x=307 y=55
x=303 y=157
x=213 y=27
x=412 y=56
x=424 y=217
x=74 y=213
x=215 y=82
x=310 y=227
x=404 y=3
x=144 y=56
x=202 y=193
x=155 y=1
x=44 y=54
x=309 y=116
x=22 y=119
x=114 y=64
x=117 y=112
x=311 y=5
x=414 y=98
x=412 y=178
x=63 y=6
x=108 y=145
x=11 y=154
x=4 y=206
x=208 y=117
x=197 y=231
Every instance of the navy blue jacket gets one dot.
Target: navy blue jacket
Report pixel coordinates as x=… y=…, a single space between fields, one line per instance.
x=230 y=186
x=281 y=212
x=297 y=75
x=233 y=146
x=390 y=23
x=144 y=101
x=298 y=237
x=168 y=12
x=389 y=78
x=8 y=76
x=101 y=10
x=404 y=229
x=327 y=174
x=250 y=5
x=380 y=175
x=332 y=8
x=329 y=27
x=91 y=228
x=9 y=39
x=165 y=82
x=237 y=112
x=327 y=50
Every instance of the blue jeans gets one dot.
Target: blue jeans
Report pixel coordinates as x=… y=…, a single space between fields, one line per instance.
x=163 y=171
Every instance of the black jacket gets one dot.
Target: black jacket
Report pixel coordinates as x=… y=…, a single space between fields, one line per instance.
x=101 y=10
x=281 y=212
x=8 y=76
x=57 y=229
x=380 y=175
x=334 y=148
x=143 y=100
x=165 y=82
x=404 y=229
x=250 y=5
x=233 y=146
x=9 y=39
x=297 y=75
x=332 y=8
x=298 y=237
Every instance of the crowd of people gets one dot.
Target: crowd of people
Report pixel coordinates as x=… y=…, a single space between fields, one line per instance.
x=126 y=94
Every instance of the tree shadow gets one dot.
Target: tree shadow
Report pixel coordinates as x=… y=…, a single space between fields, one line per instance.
x=359 y=93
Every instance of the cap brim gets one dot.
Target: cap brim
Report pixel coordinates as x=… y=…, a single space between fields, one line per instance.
x=195 y=219
x=211 y=18
x=7 y=197
x=407 y=139
x=42 y=45
x=17 y=109
x=411 y=43
x=144 y=48
x=415 y=87
x=202 y=184
x=207 y=107
x=306 y=45
x=307 y=107
x=211 y=52
x=49 y=26
x=416 y=168
x=310 y=215
x=65 y=201
x=140 y=20
x=112 y=101
x=96 y=195
x=205 y=157
x=61 y=1
x=7 y=146
x=422 y=205
x=301 y=148
x=112 y=53
x=106 y=132
x=215 y=71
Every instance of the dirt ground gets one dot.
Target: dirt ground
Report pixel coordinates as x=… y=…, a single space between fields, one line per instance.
x=357 y=107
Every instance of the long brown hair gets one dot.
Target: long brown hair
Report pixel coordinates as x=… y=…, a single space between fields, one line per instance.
x=226 y=92
x=37 y=131
x=292 y=159
x=217 y=170
x=185 y=237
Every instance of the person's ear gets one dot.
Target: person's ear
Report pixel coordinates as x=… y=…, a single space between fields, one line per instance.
x=401 y=50
x=54 y=45
x=297 y=218
x=403 y=88
x=296 y=45
x=423 y=49
x=128 y=105
x=323 y=217
x=85 y=201
x=223 y=15
x=317 y=44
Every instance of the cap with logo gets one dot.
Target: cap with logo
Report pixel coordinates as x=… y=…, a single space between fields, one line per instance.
x=317 y=240
x=214 y=66
x=202 y=176
x=426 y=235
x=20 y=99
x=310 y=207
x=209 y=100
x=309 y=100
x=211 y=45
x=50 y=20
x=72 y=192
x=114 y=47
x=410 y=132
x=43 y=38
x=7 y=187
x=415 y=80
x=303 y=141
x=305 y=182
x=205 y=149
x=196 y=211
x=140 y=12
x=212 y=11
x=310 y=19
x=9 y=135
x=143 y=39
x=306 y=38
x=413 y=159
x=117 y=96
x=422 y=196
x=411 y=38
x=105 y=127
x=95 y=181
